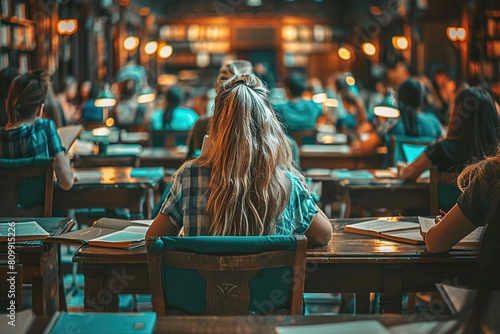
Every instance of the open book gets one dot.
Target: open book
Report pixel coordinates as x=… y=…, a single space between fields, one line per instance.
x=108 y=232
x=470 y=242
x=388 y=229
x=69 y=134
x=22 y=231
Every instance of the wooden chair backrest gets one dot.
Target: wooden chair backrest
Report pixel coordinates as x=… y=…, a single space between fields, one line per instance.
x=234 y=269
x=10 y=178
x=439 y=178
x=302 y=137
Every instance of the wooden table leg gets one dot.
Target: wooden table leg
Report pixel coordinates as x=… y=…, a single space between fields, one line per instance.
x=392 y=298
x=97 y=297
x=362 y=302
x=45 y=283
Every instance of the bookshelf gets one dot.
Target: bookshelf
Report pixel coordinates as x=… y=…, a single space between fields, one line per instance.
x=17 y=35
x=485 y=51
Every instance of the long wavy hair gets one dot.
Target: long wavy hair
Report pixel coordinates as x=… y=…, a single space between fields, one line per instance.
x=249 y=156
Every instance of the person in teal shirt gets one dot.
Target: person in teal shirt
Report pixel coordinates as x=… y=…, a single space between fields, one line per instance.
x=298 y=114
x=174 y=117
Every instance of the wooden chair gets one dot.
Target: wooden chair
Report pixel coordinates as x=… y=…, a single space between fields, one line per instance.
x=26 y=187
x=396 y=147
x=304 y=136
x=89 y=161
x=227 y=275
x=170 y=139
x=444 y=191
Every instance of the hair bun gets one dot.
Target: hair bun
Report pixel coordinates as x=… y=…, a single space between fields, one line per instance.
x=249 y=80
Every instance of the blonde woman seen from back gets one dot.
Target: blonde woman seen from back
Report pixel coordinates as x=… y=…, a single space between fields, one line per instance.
x=244 y=182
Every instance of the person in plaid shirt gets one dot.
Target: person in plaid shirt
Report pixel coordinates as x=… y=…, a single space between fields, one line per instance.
x=244 y=182
x=27 y=134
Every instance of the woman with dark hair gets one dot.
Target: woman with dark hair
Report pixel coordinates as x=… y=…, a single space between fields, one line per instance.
x=7 y=75
x=66 y=93
x=175 y=117
x=27 y=134
x=412 y=121
x=473 y=133
x=91 y=113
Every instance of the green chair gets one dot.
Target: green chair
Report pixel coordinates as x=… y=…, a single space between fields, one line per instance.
x=211 y=275
x=26 y=187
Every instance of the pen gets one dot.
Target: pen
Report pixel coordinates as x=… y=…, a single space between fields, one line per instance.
x=442 y=213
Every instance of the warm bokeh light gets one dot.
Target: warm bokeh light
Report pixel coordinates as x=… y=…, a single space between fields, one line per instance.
x=344 y=53
x=369 y=49
x=331 y=103
x=167 y=79
x=289 y=33
x=400 y=42
x=461 y=34
x=319 y=98
x=67 y=27
x=110 y=122
x=165 y=51
x=386 y=112
x=131 y=43
x=102 y=131
x=456 y=33
x=145 y=98
x=105 y=102
x=151 y=48
x=350 y=80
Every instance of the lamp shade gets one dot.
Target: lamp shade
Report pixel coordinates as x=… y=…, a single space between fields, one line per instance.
x=146 y=95
x=386 y=111
x=106 y=98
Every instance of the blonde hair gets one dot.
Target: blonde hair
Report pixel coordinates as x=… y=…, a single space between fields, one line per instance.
x=483 y=174
x=249 y=156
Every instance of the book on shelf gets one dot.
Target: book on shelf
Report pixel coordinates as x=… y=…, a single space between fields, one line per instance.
x=69 y=134
x=109 y=323
x=470 y=242
x=349 y=327
x=394 y=230
x=107 y=232
x=22 y=231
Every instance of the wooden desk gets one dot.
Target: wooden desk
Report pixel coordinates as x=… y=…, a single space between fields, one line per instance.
x=350 y=263
x=337 y=156
x=162 y=156
x=116 y=189
x=252 y=324
x=393 y=194
x=40 y=263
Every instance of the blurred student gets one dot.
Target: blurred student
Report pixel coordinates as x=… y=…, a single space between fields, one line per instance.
x=298 y=114
x=247 y=162
x=7 y=75
x=66 y=94
x=174 y=117
x=473 y=133
x=128 y=110
x=27 y=134
x=354 y=111
x=91 y=113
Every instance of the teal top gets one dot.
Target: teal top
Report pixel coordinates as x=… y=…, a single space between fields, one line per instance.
x=183 y=119
x=301 y=115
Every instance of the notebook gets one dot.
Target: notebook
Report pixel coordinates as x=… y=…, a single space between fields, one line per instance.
x=22 y=231
x=402 y=231
x=96 y=323
x=470 y=242
x=107 y=232
x=68 y=134
x=351 y=327
x=413 y=152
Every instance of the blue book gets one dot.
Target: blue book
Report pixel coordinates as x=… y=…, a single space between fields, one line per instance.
x=353 y=176
x=95 y=323
x=150 y=172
